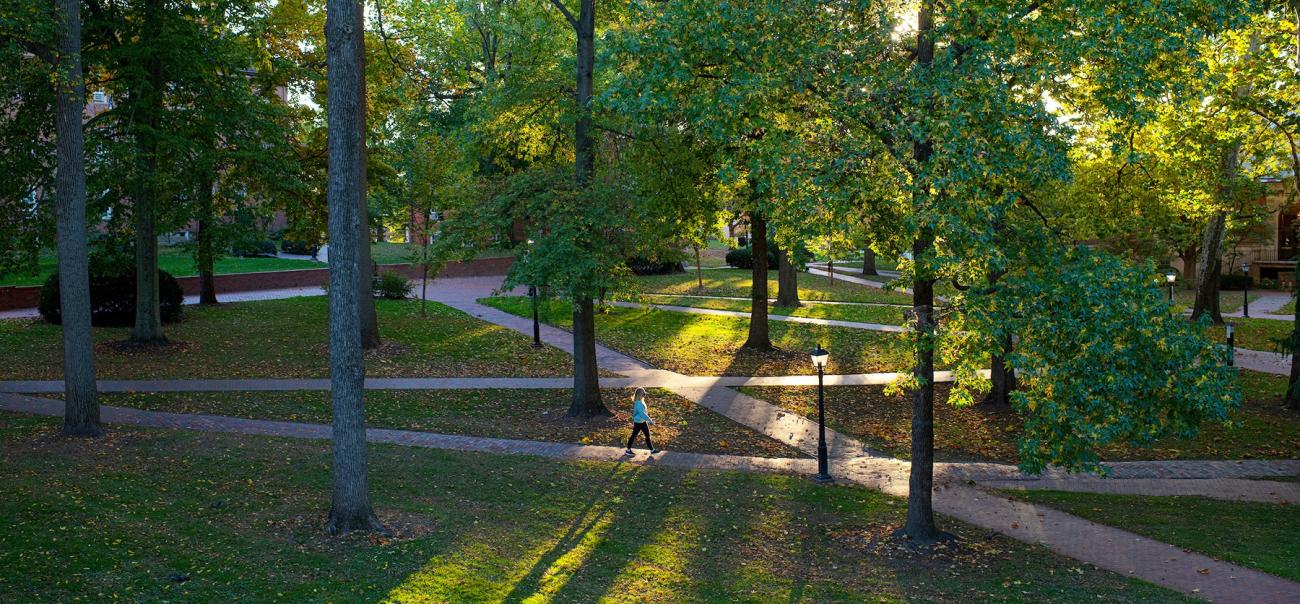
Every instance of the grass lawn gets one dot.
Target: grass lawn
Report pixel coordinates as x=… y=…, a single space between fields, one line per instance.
x=1287 y=309
x=1229 y=301
x=1254 y=334
x=713 y=255
x=708 y=345
x=735 y=283
x=287 y=338
x=154 y=515
x=885 y=315
x=680 y=425
x=1262 y=429
x=177 y=261
x=1262 y=536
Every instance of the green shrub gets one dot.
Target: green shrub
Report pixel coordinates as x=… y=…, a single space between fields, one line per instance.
x=253 y=248
x=391 y=286
x=645 y=266
x=298 y=246
x=112 y=299
x=744 y=258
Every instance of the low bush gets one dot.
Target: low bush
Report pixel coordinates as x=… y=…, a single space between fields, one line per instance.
x=296 y=246
x=112 y=299
x=391 y=286
x=253 y=248
x=744 y=258
x=644 y=266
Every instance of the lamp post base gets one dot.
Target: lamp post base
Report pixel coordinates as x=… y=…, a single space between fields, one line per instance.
x=823 y=479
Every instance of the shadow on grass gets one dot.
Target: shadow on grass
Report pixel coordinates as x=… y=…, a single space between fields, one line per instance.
x=596 y=515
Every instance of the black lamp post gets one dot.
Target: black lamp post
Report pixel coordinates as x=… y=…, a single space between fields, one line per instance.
x=819 y=358
x=537 y=326
x=1245 y=290
x=1232 y=347
x=1171 y=277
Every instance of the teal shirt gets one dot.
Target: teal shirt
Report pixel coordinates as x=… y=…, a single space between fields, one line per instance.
x=639 y=414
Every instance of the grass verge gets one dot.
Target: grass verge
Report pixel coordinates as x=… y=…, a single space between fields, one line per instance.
x=680 y=425
x=883 y=315
x=711 y=345
x=287 y=338
x=177 y=261
x=736 y=283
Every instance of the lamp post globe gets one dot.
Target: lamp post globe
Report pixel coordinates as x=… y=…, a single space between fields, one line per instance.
x=819 y=358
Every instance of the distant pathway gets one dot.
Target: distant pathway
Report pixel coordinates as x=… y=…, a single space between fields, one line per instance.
x=771 y=317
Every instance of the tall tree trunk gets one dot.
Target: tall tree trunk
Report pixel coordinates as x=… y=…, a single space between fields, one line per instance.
x=148 y=317
x=1002 y=376
x=350 y=507
x=586 y=372
x=1292 y=399
x=586 y=379
x=1208 y=270
x=370 y=339
x=787 y=281
x=759 y=338
x=81 y=401
x=206 y=257
x=869 y=262
x=1188 y=256
x=920 y=525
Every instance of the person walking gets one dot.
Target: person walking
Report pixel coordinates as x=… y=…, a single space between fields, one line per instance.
x=640 y=421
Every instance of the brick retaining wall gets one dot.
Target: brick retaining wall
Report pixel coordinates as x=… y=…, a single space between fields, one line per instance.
x=19 y=297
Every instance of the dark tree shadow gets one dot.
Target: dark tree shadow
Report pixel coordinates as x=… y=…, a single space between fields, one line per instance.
x=596 y=508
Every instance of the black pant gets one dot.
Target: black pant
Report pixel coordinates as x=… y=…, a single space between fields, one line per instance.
x=637 y=428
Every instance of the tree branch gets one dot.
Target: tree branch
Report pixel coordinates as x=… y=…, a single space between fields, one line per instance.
x=567 y=15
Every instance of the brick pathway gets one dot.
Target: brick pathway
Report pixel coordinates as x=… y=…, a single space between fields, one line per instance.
x=1230 y=489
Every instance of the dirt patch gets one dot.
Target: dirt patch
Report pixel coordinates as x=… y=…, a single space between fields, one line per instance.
x=308 y=531
x=559 y=418
x=883 y=542
x=129 y=348
x=386 y=350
